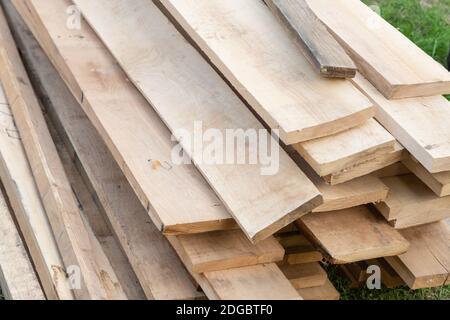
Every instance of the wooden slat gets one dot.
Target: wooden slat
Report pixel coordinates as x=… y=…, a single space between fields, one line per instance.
x=427 y=263
x=392 y=62
x=438 y=182
x=18 y=280
x=317 y=44
x=335 y=153
x=305 y=275
x=106 y=96
x=324 y=292
x=221 y=250
x=77 y=245
x=31 y=217
x=410 y=203
x=352 y=235
x=298 y=249
x=419 y=124
x=246 y=191
x=396 y=169
x=253 y=51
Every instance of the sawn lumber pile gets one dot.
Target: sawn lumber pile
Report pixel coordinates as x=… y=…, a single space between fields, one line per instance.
x=93 y=206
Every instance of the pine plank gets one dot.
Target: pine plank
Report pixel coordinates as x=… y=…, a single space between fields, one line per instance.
x=202 y=96
x=410 y=203
x=419 y=124
x=427 y=263
x=298 y=249
x=77 y=245
x=438 y=182
x=324 y=292
x=317 y=44
x=352 y=235
x=269 y=73
x=305 y=275
x=392 y=62
x=18 y=280
x=100 y=86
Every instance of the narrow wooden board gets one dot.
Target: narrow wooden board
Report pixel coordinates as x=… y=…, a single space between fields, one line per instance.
x=367 y=167
x=246 y=191
x=77 y=246
x=305 y=275
x=396 y=169
x=338 y=152
x=317 y=44
x=352 y=235
x=28 y=210
x=392 y=62
x=18 y=279
x=221 y=250
x=325 y=292
x=298 y=249
x=102 y=89
x=411 y=203
x=427 y=263
x=419 y=124
x=160 y=273
x=438 y=182
x=253 y=51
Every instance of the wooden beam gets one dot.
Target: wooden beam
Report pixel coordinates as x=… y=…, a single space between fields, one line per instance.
x=204 y=100
x=316 y=43
x=396 y=169
x=305 y=275
x=298 y=249
x=392 y=62
x=352 y=235
x=324 y=292
x=252 y=50
x=77 y=245
x=419 y=124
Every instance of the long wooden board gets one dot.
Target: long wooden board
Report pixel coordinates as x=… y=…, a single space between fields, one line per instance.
x=253 y=51
x=160 y=273
x=438 y=182
x=419 y=124
x=298 y=249
x=306 y=275
x=317 y=44
x=246 y=191
x=352 y=235
x=18 y=280
x=100 y=86
x=427 y=263
x=393 y=63
x=77 y=246
x=411 y=203
x=324 y=292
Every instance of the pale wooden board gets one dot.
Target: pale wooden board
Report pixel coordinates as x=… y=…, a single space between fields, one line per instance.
x=298 y=249
x=29 y=212
x=77 y=245
x=253 y=51
x=410 y=202
x=352 y=235
x=106 y=96
x=427 y=262
x=221 y=250
x=202 y=96
x=335 y=153
x=18 y=279
x=325 y=292
x=396 y=169
x=261 y=282
x=367 y=167
x=419 y=124
x=161 y=274
x=392 y=62
x=438 y=182
x=316 y=43
x=305 y=275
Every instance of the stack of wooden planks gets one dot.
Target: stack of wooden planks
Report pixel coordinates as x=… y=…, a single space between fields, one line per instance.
x=92 y=106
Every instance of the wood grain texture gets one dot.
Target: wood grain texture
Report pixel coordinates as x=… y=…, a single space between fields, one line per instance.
x=125 y=121
x=253 y=51
x=427 y=263
x=18 y=280
x=392 y=62
x=410 y=203
x=419 y=124
x=77 y=245
x=396 y=169
x=438 y=182
x=316 y=43
x=305 y=275
x=352 y=235
x=203 y=96
x=324 y=292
